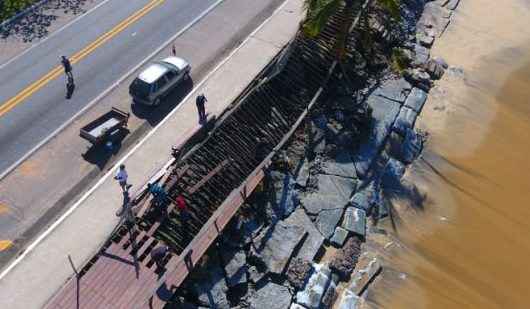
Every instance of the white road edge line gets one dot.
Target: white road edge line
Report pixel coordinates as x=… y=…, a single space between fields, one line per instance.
x=106 y=91
x=122 y=160
x=54 y=33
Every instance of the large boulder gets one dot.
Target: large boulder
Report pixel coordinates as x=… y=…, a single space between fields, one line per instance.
x=275 y=246
x=271 y=296
x=312 y=243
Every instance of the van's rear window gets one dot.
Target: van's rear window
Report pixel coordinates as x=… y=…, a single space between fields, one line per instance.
x=140 y=88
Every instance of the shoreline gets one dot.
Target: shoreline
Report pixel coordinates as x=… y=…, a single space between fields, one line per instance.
x=450 y=254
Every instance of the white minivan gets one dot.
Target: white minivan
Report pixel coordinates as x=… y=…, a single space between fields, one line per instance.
x=158 y=79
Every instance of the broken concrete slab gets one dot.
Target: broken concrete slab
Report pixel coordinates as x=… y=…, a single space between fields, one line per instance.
x=314 y=240
x=355 y=221
x=254 y=275
x=422 y=55
x=342 y=166
x=315 y=288
x=301 y=174
x=394 y=89
x=416 y=99
x=405 y=119
x=333 y=192
x=271 y=296
x=384 y=113
x=275 y=245
x=339 y=237
x=327 y=220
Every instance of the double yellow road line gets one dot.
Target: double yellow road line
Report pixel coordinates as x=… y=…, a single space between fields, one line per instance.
x=57 y=71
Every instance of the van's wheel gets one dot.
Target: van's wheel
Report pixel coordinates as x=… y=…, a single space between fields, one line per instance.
x=156 y=102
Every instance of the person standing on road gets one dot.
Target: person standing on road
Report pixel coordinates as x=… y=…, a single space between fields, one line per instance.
x=200 y=102
x=121 y=177
x=67 y=67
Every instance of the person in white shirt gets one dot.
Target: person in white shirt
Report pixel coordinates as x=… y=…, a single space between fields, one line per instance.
x=121 y=177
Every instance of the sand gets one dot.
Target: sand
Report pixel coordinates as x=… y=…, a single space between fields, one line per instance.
x=470 y=247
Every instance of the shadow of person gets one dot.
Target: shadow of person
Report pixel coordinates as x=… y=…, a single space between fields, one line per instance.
x=70 y=87
x=100 y=155
x=155 y=114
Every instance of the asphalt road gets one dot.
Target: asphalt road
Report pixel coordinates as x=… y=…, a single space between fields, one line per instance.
x=108 y=42
x=52 y=178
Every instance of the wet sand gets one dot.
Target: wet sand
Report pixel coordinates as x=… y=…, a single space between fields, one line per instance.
x=469 y=247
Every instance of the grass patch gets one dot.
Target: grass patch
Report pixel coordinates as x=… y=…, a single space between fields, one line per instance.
x=399 y=61
x=9 y=8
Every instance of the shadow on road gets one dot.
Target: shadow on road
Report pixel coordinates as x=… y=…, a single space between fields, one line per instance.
x=101 y=154
x=153 y=115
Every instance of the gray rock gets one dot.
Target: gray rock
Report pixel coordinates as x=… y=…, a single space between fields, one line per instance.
x=435 y=69
x=425 y=39
x=312 y=243
x=341 y=166
x=434 y=17
x=422 y=55
x=384 y=113
x=366 y=197
x=333 y=192
x=327 y=220
x=275 y=246
x=411 y=147
x=339 y=237
x=212 y=290
x=405 y=119
x=394 y=89
x=441 y=62
x=355 y=220
x=416 y=99
x=236 y=267
x=349 y=301
x=254 y=275
x=271 y=296
x=419 y=78
x=315 y=288
x=286 y=197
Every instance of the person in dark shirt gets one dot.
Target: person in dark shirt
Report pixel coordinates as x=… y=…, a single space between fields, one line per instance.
x=200 y=102
x=67 y=67
x=159 y=253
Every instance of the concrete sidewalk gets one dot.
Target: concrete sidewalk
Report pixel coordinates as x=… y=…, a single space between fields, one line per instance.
x=40 y=271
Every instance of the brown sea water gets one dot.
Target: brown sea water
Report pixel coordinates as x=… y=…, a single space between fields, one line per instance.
x=468 y=244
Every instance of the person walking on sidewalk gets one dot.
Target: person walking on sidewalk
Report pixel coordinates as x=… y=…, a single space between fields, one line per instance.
x=67 y=67
x=200 y=102
x=121 y=177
